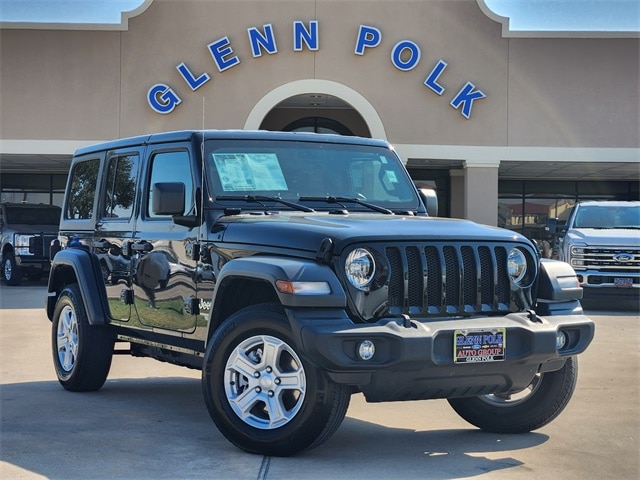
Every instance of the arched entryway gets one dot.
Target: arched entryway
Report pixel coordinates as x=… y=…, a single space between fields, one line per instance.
x=318 y=125
x=316 y=105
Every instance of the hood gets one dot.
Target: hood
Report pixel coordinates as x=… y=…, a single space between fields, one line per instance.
x=304 y=231
x=605 y=236
x=21 y=228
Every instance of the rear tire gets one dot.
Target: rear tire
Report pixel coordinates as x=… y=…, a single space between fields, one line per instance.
x=261 y=392
x=519 y=412
x=82 y=352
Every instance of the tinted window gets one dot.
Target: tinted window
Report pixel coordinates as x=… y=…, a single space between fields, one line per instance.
x=82 y=190
x=171 y=167
x=121 y=187
x=308 y=172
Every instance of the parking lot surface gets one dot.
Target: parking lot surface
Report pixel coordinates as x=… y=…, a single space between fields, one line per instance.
x=150 y=421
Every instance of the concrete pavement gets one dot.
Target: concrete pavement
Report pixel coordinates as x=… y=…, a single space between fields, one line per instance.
x=149 y=421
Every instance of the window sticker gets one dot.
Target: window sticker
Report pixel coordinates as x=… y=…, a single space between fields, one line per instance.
x=391 y=176
x=248 y=172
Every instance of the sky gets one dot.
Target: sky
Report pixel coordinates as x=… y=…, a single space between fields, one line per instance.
x=535 y=15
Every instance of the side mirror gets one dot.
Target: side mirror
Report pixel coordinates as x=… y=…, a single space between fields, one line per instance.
x=554 y=227
x=430 y=200
x=168 y=198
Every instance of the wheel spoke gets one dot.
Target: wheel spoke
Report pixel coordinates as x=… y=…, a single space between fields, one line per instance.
x=244 y=402
x=272 y=350
x=67 y=358
x=238 y=362
x=277 y=413
x=292 y=380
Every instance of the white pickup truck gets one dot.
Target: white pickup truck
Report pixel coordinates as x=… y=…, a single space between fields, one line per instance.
x=601 y=241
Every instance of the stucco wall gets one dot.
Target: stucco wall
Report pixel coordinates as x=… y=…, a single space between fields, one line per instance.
x=59 y=84
x=540 y=92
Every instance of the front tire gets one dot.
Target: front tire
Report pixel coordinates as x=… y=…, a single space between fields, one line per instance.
x=12 y=274
x=519 y=412
x=82 y=352
x=261 y=392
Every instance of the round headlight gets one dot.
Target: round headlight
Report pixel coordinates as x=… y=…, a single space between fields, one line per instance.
x=360 y=268
x=517 y=265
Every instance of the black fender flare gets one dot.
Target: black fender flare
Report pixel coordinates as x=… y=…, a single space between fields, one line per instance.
x=88 y=276
x=271 y=269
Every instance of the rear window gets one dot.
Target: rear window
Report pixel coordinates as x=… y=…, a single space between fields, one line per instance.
x=82 y=190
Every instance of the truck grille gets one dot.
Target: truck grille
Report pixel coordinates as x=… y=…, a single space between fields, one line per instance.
x=40 y=245
x=447 y=279
x=606 y=259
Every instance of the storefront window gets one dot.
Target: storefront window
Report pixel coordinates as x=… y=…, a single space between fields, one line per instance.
x=525 y=206
x=37 y=188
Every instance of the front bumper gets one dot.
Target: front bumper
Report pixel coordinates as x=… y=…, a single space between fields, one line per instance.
x=31 y=262
x=417 y=361
x=622 y=281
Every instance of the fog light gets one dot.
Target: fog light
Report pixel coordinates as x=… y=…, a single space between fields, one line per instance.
x=366 y=350
x=561 y=340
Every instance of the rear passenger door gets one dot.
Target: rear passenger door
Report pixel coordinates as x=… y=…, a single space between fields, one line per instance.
x=164 y=286
x=117 y=208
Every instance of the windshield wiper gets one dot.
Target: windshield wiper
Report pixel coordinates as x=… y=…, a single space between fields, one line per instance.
x=340 y=200
x=264 y=198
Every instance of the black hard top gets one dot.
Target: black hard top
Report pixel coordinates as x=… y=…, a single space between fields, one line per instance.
x=196 y=135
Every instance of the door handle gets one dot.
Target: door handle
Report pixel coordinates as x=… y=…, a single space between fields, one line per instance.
x=102 y=244
x=142 y=247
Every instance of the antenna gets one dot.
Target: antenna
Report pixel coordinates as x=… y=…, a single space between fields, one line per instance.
x=202 y=173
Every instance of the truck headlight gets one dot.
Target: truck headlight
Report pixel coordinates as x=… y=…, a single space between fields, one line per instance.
x=360 y=268
x=516 y=265
x=21 y=244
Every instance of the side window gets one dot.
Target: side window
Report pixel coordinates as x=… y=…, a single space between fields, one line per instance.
x=171 y=167
x=120 y=190
x=84 y=177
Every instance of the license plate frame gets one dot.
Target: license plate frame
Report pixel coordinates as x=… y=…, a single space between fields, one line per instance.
x=623 y=282
x=479 y=346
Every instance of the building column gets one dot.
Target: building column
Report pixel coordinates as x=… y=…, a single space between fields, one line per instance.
x=456 y=192
x=481 y=192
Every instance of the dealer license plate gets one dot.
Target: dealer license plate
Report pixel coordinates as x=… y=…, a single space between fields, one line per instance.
x=473 y=346
x=623 y=282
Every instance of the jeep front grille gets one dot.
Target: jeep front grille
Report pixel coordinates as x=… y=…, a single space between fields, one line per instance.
x=448 y=279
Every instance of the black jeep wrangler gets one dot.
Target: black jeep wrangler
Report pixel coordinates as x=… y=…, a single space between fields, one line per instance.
x=295 y=270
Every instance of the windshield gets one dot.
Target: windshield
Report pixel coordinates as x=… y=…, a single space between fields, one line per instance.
x=42 y=215
x=592 y=216
x=308 y=172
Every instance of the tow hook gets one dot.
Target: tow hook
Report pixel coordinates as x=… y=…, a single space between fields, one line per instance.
x=533 y=317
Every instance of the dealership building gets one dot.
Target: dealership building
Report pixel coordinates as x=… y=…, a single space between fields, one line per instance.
x=510 y=127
